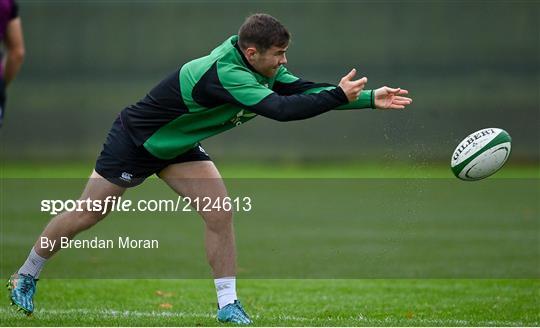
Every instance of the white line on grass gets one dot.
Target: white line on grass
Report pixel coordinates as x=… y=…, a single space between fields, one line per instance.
x=276 y=318
x=114 y=313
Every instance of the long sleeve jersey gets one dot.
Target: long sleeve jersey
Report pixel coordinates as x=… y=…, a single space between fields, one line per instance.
x=215 y=93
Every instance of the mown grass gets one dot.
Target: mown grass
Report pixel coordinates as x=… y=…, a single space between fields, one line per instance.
x=286 y=303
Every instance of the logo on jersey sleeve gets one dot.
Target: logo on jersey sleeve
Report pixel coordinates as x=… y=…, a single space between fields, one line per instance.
x=242 y=116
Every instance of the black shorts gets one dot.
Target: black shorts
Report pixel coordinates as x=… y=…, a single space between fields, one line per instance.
x=125 y=164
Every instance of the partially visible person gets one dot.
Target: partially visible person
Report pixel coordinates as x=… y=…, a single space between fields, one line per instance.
x=11 y=36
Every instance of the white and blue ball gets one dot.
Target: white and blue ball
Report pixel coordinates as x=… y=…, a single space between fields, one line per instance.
x=481 y=154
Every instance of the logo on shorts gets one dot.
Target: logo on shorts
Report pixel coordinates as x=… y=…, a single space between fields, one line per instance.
x=126 y=176
x=202 y=150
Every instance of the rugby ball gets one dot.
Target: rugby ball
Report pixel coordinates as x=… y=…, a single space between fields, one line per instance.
x=481 y=154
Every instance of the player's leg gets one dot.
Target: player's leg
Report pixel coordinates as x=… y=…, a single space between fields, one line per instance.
x=67 y=224
x=198 y=179
x=201 y=179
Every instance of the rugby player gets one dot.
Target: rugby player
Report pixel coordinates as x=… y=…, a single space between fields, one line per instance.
x=242 y=78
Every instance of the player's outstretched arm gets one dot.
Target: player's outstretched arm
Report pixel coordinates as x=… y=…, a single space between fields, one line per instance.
x=290 y=103
x=288 y=84
x=391 y=98
x=302 y=106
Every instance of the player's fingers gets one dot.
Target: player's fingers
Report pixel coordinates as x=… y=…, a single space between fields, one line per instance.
x=401 y=102
x=360 y=81
x=358 y=84
x=350 y=75
x=396 y=106
x=403 y=92
x=403 y=98
x=393 y=90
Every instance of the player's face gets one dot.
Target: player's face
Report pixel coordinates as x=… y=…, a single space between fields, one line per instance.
x=267 y=63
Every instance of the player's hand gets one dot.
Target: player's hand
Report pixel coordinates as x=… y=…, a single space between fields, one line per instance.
x=391 y=98
x=352 y=87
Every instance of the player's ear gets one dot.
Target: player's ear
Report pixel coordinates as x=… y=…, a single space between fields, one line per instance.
x=250 y=52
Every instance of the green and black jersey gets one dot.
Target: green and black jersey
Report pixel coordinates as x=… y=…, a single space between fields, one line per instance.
x=217 y=92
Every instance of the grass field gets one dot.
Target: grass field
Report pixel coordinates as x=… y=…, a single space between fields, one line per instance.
x=286 y=303
x=492 y=259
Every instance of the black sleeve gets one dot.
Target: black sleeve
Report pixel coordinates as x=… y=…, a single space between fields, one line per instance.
x=299 y=106
x=239 y=86
x=298 y=86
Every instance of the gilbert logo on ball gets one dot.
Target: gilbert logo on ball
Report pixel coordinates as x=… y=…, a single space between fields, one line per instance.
x=481 y=154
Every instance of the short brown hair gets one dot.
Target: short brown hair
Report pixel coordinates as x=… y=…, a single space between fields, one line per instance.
x=262 y=31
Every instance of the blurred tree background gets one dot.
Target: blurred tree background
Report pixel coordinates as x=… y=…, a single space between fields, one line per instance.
x=468 y=65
